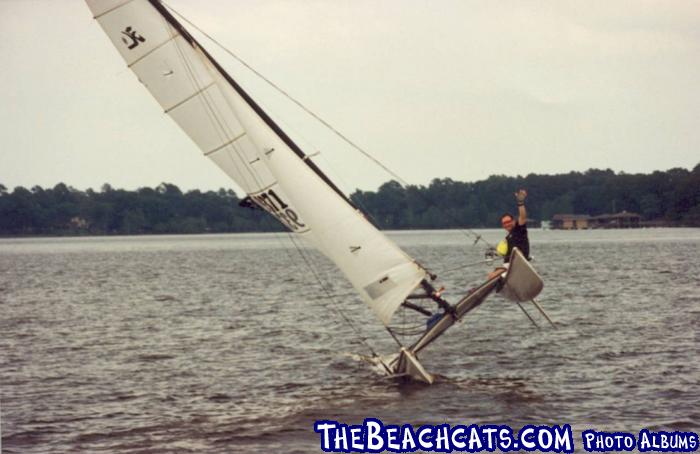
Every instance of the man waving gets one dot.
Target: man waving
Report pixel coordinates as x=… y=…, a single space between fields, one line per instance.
x=517 y=234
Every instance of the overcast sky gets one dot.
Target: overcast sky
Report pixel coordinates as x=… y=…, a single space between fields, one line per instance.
x=434 y=89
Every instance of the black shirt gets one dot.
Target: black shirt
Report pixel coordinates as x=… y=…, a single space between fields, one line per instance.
x=518 y=238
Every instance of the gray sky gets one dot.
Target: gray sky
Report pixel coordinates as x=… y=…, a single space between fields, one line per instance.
x=434 y=89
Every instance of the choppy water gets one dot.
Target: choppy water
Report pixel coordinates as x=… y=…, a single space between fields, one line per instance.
x=225 y=343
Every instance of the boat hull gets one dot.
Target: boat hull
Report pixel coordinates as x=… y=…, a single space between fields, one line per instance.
x=409 y=366
x=521 y=282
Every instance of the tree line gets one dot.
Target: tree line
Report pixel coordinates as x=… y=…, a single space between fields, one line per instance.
x=671 y=197
x=63 y=210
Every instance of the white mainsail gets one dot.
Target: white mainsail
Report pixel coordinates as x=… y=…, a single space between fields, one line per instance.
x=232 y=130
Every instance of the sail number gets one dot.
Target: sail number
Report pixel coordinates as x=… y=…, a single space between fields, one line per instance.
x=271 y=202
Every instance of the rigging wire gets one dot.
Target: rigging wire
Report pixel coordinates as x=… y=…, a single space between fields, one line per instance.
x=480 y=262
x=214 y=118
x=213 y=113
x=290 y=97
x=329 y=296
x=365 y=211
x=412 y=330
x=343 y=137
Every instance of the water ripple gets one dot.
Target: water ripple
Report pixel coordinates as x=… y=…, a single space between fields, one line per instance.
x=224 y=343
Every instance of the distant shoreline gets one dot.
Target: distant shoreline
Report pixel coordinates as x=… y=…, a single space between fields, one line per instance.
x=592 y=199
x=164 y=234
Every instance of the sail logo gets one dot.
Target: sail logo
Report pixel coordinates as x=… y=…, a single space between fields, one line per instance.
x=132 y=36
x=271 y=202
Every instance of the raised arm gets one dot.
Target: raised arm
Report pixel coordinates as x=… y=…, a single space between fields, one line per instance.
x=520 y=198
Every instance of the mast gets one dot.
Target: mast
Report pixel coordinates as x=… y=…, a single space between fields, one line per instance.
x=248 y=99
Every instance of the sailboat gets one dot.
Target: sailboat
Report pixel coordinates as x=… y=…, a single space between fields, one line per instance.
x=232 y=130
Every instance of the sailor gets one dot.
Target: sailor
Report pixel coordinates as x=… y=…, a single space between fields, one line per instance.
x=517 y=234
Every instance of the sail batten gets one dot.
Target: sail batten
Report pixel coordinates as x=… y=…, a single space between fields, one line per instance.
x=97 y=16
x=155 y=49
x=238 y=137
x=232 y=130
x=169 y=109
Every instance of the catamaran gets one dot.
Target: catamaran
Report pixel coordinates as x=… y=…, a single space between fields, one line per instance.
x=232 y=130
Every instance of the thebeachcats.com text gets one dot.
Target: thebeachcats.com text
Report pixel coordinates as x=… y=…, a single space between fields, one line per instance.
x=374 y=436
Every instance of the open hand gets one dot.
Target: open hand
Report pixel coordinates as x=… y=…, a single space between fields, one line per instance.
x=521 y=195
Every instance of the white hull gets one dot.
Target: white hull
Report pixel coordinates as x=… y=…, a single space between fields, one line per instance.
x=521 y=282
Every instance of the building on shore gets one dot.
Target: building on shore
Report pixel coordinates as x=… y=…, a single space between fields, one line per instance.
x=570 y=221
x=622 y=220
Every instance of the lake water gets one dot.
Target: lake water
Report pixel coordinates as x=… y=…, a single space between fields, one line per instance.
x=226 y=343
